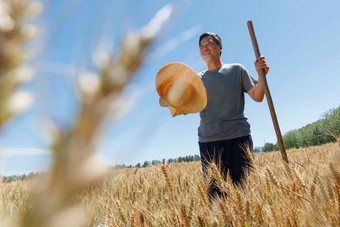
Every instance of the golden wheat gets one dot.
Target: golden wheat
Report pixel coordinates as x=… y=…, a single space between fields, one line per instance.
x=167 y=178
x=269 y=197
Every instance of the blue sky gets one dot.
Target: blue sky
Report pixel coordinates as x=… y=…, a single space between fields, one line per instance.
x=300 y=40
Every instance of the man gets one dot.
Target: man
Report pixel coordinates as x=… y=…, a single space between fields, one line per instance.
x=224 y=132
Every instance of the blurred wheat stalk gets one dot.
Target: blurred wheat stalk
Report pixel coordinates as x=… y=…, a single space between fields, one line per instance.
x=14 y=33
x=76 y=165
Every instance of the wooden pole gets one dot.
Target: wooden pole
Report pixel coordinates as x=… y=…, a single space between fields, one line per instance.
x=267 y=92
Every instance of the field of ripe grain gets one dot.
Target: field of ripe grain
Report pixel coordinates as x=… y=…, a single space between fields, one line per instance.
x=175 y=195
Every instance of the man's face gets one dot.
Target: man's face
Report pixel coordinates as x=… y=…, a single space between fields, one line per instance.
x=209 y=50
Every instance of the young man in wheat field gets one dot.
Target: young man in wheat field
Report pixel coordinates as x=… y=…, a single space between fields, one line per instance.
x=224 y=132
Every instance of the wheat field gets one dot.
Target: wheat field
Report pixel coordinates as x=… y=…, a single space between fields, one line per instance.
x=175 y=195
x=75 y=193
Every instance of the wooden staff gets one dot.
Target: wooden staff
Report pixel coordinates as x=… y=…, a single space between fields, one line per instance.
x=267 y=92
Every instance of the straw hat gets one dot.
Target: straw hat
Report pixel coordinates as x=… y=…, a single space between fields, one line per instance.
x=181 y=88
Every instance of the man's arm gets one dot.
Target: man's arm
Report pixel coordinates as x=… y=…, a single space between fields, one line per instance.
x=257 y=92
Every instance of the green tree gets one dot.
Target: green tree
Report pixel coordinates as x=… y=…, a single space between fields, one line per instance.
x=197 y=157
x=257 y=149
x=268 y=147
x=291 y=139
x=306 y=136
x=334 y=121
x=146 y=163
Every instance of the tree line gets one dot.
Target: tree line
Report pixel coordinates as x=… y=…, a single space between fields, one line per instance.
x=323 y=131
x=22 y=177
x=188 y=158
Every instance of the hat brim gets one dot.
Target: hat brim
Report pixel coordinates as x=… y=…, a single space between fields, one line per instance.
x=182 y=88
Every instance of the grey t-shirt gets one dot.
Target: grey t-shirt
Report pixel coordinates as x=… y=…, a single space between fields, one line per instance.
x=223 y=117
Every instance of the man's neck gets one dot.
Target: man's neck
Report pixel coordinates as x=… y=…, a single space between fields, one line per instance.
x=214 y=65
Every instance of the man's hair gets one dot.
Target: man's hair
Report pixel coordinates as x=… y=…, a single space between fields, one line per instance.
x=213 y=35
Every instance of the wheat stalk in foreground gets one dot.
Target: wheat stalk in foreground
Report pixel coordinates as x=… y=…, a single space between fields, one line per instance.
x=76 y=165
x=15 y=32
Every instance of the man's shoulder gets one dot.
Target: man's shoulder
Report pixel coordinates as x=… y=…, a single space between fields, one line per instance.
x=200 y=74
x=236 y=65
x=225 y=67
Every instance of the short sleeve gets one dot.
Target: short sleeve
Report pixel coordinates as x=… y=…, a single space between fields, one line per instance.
x=247 y=80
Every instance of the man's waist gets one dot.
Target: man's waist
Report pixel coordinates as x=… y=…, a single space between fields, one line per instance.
x=225 y=130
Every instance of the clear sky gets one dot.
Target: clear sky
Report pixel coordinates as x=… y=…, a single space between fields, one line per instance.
x=300 y=40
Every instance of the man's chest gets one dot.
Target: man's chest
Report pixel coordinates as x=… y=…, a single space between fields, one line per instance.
x=221 y=85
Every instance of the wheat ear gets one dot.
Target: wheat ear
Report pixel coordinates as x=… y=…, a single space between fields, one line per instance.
x=167 y=178
x=202 y=193
x=201 y=220
x=185 y=218
x=218 y=177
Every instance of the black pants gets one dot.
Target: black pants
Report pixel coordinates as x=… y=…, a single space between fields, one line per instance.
x=228 y=155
